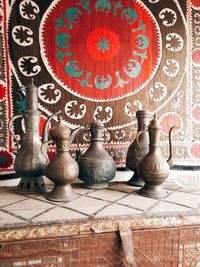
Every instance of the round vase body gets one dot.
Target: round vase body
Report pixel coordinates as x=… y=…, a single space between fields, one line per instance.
x=154 y=170
x=63 y=169
x=96 y=166
x=96 y=172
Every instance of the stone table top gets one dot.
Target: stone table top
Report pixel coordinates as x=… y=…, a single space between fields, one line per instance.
x=96 y=211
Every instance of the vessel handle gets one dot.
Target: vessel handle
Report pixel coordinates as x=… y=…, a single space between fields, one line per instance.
x=45 y=128
x=138 y=143
x=79 y=152
x=170 y=159
x=133 y=132
x=44 y=146
x=10 y=124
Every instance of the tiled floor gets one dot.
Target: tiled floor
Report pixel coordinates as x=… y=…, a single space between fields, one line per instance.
x=117 y=200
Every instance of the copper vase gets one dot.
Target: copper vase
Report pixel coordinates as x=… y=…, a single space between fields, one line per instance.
x=29 y=163
x=153 y=168
x=63 y=169
x=96 y=166
x=133 y=157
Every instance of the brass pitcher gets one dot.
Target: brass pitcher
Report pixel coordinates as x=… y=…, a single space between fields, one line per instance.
x=96 y=166
x=63 y=169
x=133 y=154
x=153 y=168
x=29 y=162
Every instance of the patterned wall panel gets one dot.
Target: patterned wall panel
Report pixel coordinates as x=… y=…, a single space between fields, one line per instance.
x=103 y=59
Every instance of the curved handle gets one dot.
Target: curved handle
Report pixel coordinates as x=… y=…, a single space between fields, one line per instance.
x=46 y=125
x=134 y=131
x=170 y=159
x=138 y=143
x=42 y=148
x=10 y=124
x=79 y=153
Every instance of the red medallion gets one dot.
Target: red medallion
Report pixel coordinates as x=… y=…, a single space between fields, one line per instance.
x=100 y=53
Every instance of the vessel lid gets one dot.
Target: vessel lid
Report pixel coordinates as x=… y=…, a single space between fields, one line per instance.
x=143 y=112
x=155 y=124
x=60 y=131
x=31 y=86
x=96 y=124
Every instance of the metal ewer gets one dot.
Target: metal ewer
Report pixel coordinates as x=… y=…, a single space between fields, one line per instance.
x=96 y=166
x=154 y=168
x=63 y=169
x=132 y=158
x=29 y=163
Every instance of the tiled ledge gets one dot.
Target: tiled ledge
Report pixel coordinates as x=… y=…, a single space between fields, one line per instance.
x=96 y=211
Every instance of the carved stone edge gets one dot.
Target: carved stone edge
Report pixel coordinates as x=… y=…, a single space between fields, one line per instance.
x=96 y=226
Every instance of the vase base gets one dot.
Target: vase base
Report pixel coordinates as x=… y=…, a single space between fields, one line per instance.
x=31 y=185
x=153 y=191
x=96 y=186
x=63 y=193
x=136 y=180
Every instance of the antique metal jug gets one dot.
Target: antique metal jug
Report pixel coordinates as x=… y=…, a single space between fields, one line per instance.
x=29 y=162
x=63 y=169
x=153 y=168
x=133 y=154
x=96 y=166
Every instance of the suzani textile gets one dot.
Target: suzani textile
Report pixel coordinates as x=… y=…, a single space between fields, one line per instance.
x=103 y=59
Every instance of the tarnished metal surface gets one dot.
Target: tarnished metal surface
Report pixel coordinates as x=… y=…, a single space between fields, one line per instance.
x=30 y=164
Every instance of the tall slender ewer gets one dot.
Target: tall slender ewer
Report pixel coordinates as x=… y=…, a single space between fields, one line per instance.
x=29 y=163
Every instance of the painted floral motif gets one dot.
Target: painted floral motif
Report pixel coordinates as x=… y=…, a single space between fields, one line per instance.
x=22 y=35
x=6 y=159
x=169 y=120
x=177 y=101
x=195 y=150
x=195 y=3
x=168 y=17
x=196 y=57
x=48 y=93
x=130 y=108
x=104 y=114
x=28 y=9
x=106 y=136
x=171 y=68
x=158 y=92
x=120 y=134
x=196 y=113
x=28 y=65
x=103 y=44
x=175 y=42
x=75 y=110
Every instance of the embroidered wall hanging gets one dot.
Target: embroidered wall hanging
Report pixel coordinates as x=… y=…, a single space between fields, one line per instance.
x=105 y=59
